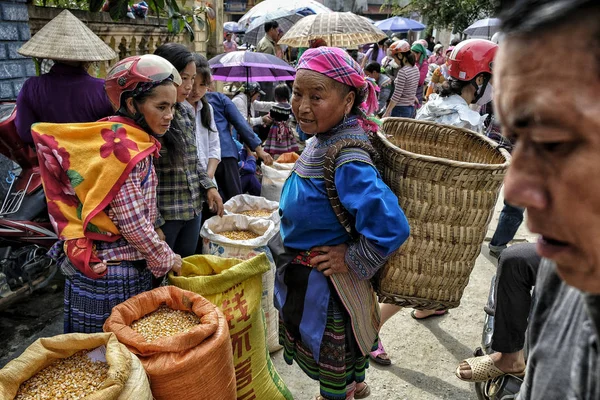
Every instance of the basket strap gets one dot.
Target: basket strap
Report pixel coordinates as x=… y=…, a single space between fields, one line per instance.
x=332 y=154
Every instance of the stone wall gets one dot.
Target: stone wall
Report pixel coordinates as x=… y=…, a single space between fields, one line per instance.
x=14 y=32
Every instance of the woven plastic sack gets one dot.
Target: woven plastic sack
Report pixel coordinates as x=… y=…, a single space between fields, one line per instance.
x=196 y=364
x=126 y=376
x=235 y=286
x=218 y=245
x=246 y=202
x=288 y=158
x=272 y=181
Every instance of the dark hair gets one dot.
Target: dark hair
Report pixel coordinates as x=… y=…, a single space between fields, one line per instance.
x=282 y=92
x=541 y=16
x=373 y=67
x=270 y=25
x=453 y=86
x=203 y=71
x=455 y=41
x=375 y=49
x=408 y=57
x=178 y=55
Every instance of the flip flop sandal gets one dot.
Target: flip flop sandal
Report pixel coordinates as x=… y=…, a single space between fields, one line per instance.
x=375 y=355
x=364 y=393
x=436 y=314
x=483 y=369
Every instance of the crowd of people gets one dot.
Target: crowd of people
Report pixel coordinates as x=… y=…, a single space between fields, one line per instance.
x=171 y=150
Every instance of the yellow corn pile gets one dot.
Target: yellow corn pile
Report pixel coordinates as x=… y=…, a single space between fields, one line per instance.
x=257 y=213
x=69 y=378
x=239 y=235
x=164 y=322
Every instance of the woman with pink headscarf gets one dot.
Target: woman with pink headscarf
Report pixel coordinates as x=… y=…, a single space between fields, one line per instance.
x=329 y=318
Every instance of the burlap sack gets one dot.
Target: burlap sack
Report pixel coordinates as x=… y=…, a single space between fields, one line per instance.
x=126 y=377
x=196 y=364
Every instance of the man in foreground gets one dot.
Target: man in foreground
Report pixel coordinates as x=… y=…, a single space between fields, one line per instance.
x=554 y=174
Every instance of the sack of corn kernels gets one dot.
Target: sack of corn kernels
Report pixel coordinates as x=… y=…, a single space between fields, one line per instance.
x=255 y=207
x=238 y=236
x=181 y=339
x=75 y=365
x=235 y=286
x=272 y=182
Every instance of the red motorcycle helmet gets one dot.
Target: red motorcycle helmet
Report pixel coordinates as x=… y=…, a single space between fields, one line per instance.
x=130 y=72
x=470 y=58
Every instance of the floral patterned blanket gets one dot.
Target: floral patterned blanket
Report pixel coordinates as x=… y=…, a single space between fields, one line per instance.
x=83 y=166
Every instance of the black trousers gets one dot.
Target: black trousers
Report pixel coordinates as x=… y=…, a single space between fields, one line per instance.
x=228 y=178
x=515 y=277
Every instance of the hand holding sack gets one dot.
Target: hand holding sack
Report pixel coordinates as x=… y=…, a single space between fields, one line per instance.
x=235 y=286
x=126 y=376
x=196 y=364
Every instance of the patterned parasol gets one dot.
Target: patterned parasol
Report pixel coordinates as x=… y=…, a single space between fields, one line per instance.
x=239 y=66
x=338 y=29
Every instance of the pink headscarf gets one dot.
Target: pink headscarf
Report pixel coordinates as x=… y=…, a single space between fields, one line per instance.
x=336 y=64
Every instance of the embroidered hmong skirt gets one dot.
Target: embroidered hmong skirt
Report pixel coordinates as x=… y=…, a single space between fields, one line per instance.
x=89 y=302
x=341 y=364
x=281 y=139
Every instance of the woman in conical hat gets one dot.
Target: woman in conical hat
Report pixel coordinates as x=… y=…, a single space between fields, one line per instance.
x=67 y=93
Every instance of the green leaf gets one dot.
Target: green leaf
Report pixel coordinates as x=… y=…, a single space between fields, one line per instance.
x=96 y=5
x=118 y=9
x=79 y=210
x=74 y=177
x=114 y=127
x=170 y=25
x=200 y=23
x=182 y=25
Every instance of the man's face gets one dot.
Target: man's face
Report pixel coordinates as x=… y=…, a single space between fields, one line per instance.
x=274 y=33
x=554 y=113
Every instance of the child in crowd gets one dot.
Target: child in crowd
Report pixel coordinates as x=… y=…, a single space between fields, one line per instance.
x=207 y=136
x=281 y=139
x=247 y=165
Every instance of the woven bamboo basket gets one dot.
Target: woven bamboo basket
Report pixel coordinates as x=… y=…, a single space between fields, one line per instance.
x=447 y=180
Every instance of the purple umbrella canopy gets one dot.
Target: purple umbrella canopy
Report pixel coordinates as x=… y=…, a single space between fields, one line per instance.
x=237 y=66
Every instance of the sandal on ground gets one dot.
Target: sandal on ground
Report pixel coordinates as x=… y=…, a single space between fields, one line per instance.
x=482 y=369
x=376 y=355
x=435 y=314
x=364 y=393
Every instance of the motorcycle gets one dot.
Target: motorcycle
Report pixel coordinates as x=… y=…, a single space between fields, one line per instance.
x=504 y=387
x=26 y=233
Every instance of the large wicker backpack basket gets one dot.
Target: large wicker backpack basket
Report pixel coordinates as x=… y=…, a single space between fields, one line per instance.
x=447 y=180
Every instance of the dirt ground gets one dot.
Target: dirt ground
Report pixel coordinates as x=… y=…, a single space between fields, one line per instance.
x=424 y=353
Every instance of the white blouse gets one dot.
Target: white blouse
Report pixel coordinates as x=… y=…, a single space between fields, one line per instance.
x=207 y=141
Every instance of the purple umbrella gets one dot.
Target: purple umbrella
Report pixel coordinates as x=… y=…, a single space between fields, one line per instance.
x=238 y=66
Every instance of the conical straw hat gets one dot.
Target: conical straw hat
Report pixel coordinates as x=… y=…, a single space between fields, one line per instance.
x=67 y=38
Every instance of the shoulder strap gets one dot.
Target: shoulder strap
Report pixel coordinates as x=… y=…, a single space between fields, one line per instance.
x=341 y=213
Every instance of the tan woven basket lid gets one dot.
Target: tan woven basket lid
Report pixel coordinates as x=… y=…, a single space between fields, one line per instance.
x=338 y=29
x=67 y=38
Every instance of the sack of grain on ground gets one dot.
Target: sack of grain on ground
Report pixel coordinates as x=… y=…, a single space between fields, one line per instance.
x=235 y=286
x=63 y=360
x=273 y=180
x=218 y=240
x=192 y=364
x=255 y=207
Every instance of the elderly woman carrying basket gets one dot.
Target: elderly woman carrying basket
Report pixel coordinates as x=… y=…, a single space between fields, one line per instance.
x=329 y=314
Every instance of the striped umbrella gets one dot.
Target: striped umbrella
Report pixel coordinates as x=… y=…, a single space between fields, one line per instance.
x=338 y=29
x=256 y=31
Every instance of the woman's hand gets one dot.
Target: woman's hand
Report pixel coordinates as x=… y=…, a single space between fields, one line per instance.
x=176 y=267
x=215 y=202
x=332 y=261
x=263 y=155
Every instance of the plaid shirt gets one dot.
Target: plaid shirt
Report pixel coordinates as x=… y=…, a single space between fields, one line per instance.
x=181 y=189
x=494 y=131
x=133 y=210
